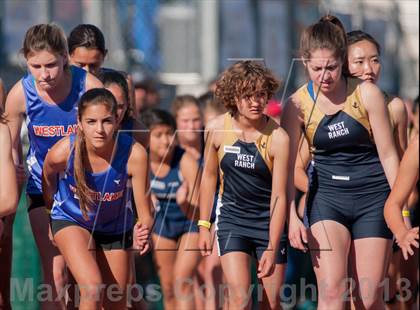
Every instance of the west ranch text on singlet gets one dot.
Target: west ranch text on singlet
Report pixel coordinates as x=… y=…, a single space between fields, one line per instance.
x=245 y=182
x=344 y=153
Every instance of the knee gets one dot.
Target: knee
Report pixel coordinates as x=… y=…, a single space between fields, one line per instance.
x=60 y=276
x=92 y=289
x=167 y=289
x=331 y=292
x=239 y=296
x=372 y=300
x=183 y=285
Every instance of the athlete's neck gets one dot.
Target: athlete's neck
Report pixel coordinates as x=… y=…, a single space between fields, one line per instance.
x=61 y=90
x=339 y=94
x=246 y=124
x=104 y=153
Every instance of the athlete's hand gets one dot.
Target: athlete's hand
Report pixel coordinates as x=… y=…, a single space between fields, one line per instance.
x=266 y=264
x=297 y=234
x=182 y=194
x=407 y=239
x=204 y=241
x=141 y=238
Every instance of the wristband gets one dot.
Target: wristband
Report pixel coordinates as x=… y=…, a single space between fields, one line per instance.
x=406 y=213
x=204 y=223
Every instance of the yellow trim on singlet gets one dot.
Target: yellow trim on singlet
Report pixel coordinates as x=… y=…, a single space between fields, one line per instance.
x=353 y=106
x=230 y=136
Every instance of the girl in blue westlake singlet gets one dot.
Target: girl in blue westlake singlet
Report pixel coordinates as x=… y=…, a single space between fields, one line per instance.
x=250 y=151
x=346 y=124
x=173 y=182
x=47 y=96
x=90 y=177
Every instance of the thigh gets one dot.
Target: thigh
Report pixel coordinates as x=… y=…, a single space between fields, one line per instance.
x=187 y=257
x=73 y=243
x=236 y=270
x=115 y=268
x=39 y=221
x=329 y=243
x=273 y=283
x=369 y=262
x=165 y=251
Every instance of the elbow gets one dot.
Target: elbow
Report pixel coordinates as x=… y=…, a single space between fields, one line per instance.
x=390 y=209
x=8 y=205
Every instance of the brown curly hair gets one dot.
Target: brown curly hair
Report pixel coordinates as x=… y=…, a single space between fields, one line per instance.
x=244 y=79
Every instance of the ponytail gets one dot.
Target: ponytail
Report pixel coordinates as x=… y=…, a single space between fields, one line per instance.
x=80 y=162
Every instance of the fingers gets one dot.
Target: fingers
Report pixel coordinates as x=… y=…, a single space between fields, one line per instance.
x=404 y=252
x=296 y=241
x=265 y=267
x=145 y=248
x=261 y=268
x=304 y=235
x=205 y=248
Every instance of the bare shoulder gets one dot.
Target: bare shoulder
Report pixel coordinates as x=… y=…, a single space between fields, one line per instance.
x=398 y=106
x=15 y=100
x=215 y=128
x=280 y=138
x=92 y=82
x=216 y=124
x=138 y=154
x=187 y=161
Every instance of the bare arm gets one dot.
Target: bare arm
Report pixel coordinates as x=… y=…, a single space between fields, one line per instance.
x=15 y=113
x=192 y=177
x=374 y=102
x=92 y=82
x=209 y=180
x=302 y=161
x=138 y=169
x=210 y=170
x=291 y=122
x=55 y=162
x=9 y=196
x=400 y=117
x=278 y=203
x=404 y=184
